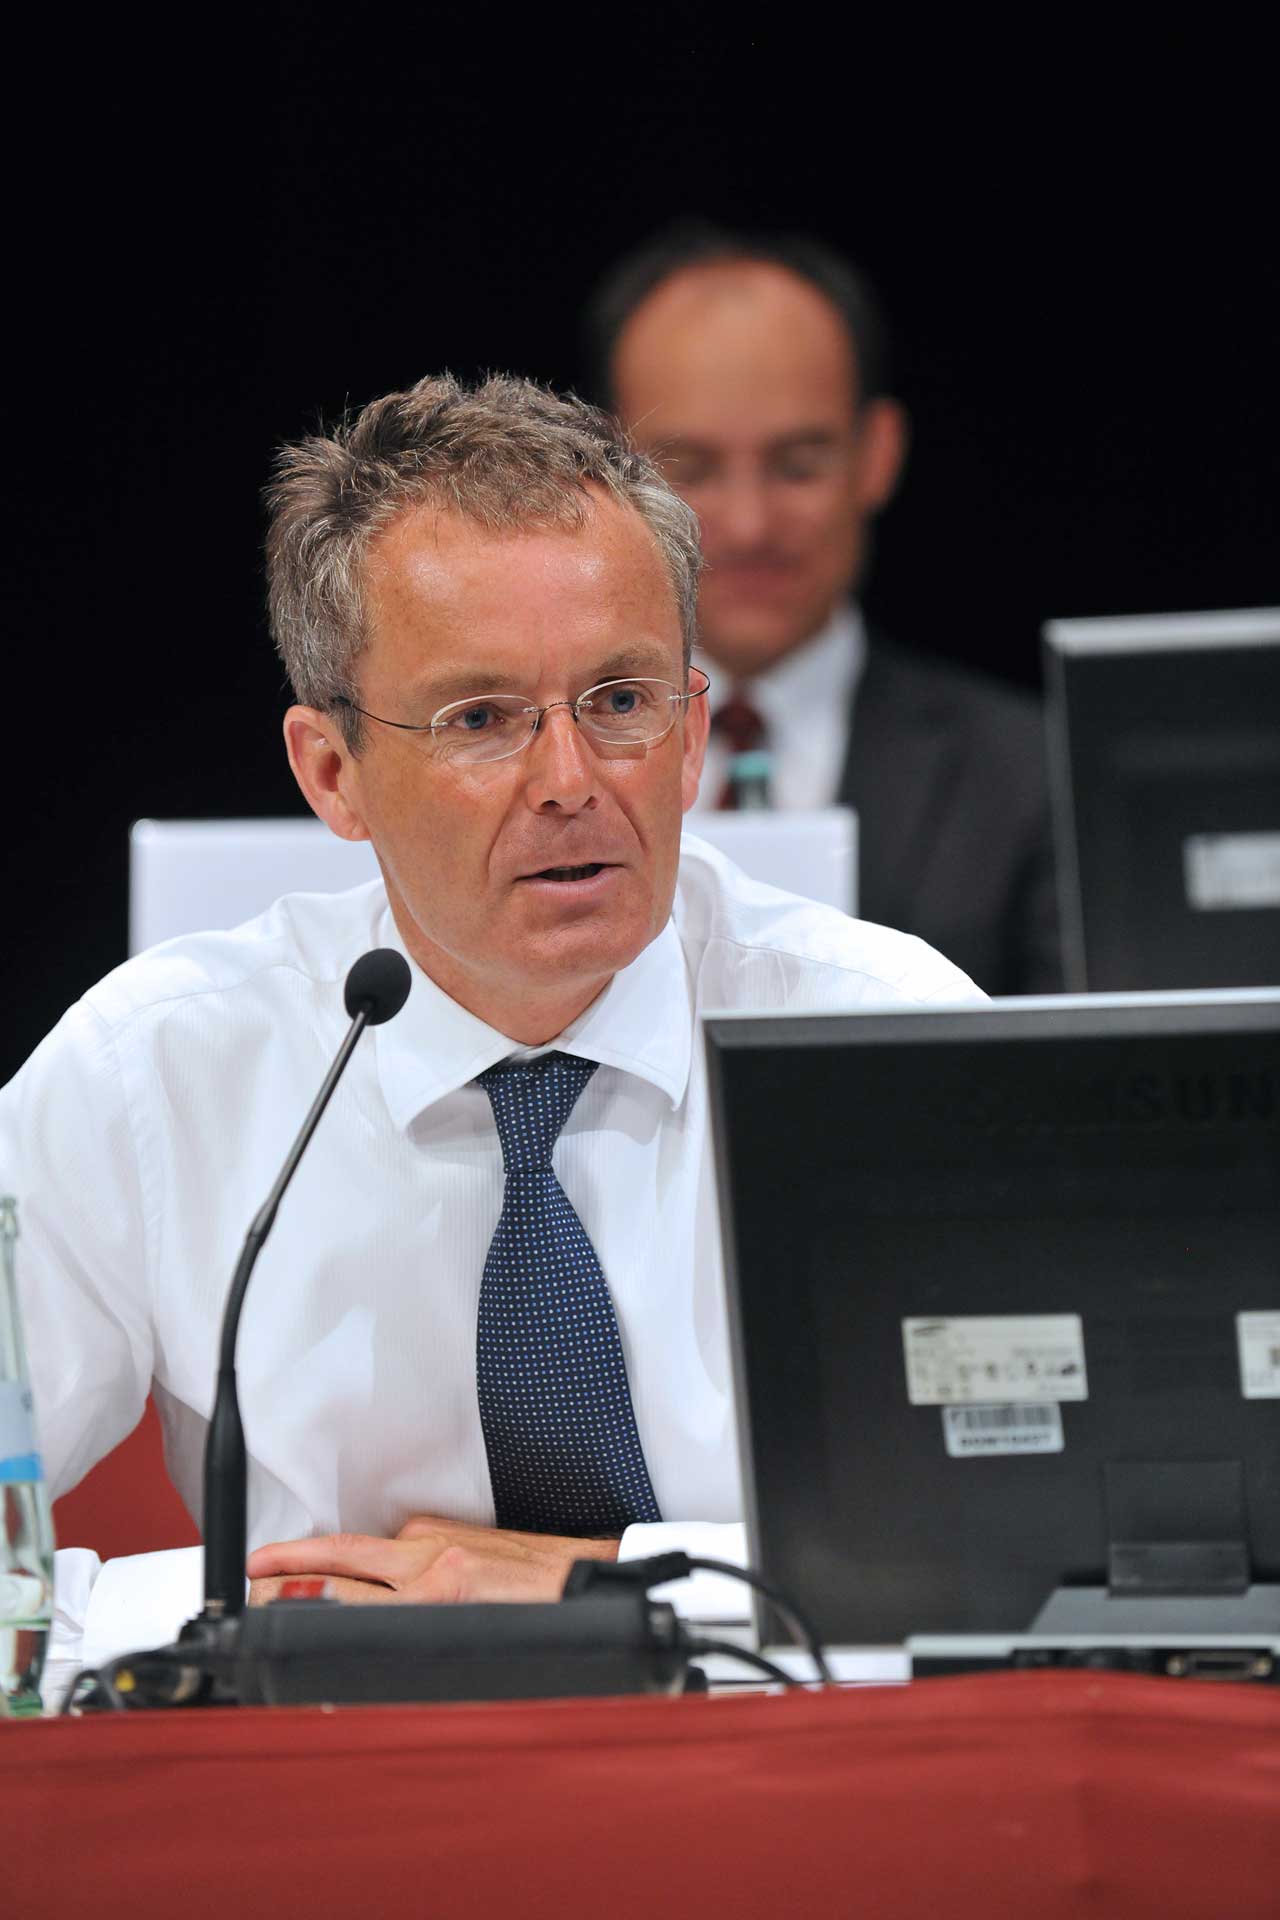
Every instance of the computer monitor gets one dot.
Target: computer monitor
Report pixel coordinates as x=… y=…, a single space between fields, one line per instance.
x=1164 y=740
x=1004 y=1296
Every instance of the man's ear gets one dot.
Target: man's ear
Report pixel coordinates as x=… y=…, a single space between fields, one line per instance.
x=697 y=727
x=884 y=435
x=323 y=767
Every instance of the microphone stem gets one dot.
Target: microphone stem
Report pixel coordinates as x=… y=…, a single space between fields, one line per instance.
x=225 y=1472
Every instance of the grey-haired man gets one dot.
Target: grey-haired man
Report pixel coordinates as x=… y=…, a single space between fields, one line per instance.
x=485 y=601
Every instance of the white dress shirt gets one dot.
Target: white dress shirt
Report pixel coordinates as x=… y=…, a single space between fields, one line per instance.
x=145 y=1131
x=806 y=702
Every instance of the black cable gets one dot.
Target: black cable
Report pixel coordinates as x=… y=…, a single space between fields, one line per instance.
x=70 y=1704
x=657 y=1568
x=95 y=1684
x=795 y=1622
x=747 y=1655
x=791 y=1617
x=157 y=1677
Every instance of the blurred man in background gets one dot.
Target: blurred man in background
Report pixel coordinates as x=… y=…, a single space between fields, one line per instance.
x=756 y=371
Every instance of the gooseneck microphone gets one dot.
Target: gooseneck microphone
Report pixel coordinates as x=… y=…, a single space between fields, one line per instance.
x=609 y=1638
x=376 y=989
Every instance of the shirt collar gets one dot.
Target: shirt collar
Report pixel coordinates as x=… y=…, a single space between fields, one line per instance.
x=642 y=1023
x=827 y=665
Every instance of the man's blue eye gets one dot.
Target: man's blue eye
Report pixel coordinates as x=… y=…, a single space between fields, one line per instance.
x=624 y=700
x=476 y=719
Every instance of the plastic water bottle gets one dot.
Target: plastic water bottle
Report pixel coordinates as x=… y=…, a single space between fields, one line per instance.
x=752 y=776
x=26 y=1529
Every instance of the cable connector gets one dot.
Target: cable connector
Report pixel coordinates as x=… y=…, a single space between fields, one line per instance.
x=657 y=1568
x=649 y=1572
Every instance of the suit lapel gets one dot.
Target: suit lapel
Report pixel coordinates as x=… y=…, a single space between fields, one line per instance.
x=900 y=773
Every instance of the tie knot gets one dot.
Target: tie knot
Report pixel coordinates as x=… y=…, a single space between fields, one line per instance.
x=748 y=774
x=531 y=1100
x=739 y=725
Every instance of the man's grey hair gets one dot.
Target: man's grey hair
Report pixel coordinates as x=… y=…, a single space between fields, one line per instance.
x=506 y=455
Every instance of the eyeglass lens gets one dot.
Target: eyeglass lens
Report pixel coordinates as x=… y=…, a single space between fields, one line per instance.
x=619 y=713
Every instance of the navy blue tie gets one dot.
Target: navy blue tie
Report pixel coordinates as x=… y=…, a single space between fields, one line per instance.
x=559 y=1428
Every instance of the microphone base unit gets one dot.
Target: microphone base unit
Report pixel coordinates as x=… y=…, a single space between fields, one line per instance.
x=321 y=1652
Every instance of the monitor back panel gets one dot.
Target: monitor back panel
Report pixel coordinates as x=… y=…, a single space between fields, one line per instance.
x=1119 y=1166
x=1165 y=750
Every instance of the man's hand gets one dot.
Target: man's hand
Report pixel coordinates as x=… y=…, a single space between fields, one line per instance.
x=429 y=1559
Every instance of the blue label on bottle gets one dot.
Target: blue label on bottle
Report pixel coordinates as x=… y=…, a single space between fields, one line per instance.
x=21 y=1466
x=17 y=1426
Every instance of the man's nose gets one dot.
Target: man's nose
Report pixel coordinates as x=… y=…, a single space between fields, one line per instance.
x=562 y=769
x=743 y=511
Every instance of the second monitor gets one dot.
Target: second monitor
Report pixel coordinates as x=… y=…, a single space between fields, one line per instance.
x=1164 y=737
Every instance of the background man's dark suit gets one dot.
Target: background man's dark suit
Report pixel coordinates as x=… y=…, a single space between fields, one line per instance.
x=947 y=772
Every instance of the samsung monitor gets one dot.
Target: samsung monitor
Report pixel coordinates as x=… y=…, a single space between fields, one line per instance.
x=1004 y=1297
x=1164 y=741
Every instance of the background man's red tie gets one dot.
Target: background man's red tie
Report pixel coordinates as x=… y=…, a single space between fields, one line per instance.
x=743 y=731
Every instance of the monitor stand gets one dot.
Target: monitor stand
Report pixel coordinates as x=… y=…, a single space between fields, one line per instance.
x=1094 y=1611
x=1224 y=1636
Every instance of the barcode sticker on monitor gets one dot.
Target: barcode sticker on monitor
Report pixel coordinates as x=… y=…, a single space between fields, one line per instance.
x=1259 y=1337
x=1002 y=1429
x=968 y=1359
x=1231 y=870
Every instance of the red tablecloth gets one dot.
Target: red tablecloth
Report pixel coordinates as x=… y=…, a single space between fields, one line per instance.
x=1042 y=1795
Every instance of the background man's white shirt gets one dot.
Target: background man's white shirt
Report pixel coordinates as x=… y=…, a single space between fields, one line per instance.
x=806 y=702
x=142 y=1136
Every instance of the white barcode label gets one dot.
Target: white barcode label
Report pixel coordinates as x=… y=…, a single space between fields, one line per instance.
x=994 y=1359
x=1259 y=1338
x=1002 y=1429
x=1231 y=870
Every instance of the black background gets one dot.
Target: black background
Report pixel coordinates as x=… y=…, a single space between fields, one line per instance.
x=222 y=232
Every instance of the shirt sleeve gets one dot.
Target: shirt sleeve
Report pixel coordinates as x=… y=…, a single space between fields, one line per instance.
x=702 y=1596
x=69 y=1154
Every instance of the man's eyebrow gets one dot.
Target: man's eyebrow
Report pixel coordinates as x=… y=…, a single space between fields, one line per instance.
x=674 y=445
x=677 y=445
x=633 y=663
x=437 y=689
x=804 y=437
x=440 y=688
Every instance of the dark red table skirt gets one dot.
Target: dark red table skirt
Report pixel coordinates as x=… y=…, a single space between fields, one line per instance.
x=999 y=1796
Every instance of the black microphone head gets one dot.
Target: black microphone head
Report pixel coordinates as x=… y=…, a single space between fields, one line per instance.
x=378 y=985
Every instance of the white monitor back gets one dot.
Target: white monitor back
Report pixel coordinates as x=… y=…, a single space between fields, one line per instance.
x=187 y=875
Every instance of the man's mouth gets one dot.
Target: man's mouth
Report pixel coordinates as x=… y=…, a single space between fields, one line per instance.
x=763 y=566
x=568 y=874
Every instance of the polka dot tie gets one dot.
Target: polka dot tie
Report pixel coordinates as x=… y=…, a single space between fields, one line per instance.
x=555 y=1406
